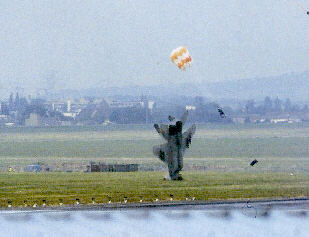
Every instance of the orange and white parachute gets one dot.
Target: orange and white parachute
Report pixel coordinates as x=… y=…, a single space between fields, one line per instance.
x=181 y=57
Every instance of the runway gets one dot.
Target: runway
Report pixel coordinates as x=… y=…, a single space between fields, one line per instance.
x=295 y=203
x=235 y=218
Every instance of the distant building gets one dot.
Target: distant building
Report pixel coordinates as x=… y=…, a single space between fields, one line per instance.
x=190 y=107
x=68 y=106
x=102 y=167
x=151 y=104
x=9 y=124
x=33 y=168
x=142 y=103
x=70 y=115
x=125 y=104
x=285 y=120
x=279 y=120
x=34 y=120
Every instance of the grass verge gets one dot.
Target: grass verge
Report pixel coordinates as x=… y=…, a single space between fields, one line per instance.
x=34 y=187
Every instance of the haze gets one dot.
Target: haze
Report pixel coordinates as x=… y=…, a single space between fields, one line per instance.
x=84 y=44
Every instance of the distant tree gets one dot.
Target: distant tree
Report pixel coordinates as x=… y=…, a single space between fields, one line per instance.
x=211 y=113
x=268 y=105
x=287 y=105
x=228 y=110
x=16 y=102
x=239 y=109
x=277 y=105
x=128 y=115
x=207 y=113
x=21 y=107
x=295 y=108
x=37 y=102
x=160 y=114
x=4 y=108
x=25 y=109
x=103 y=112
x=95 y=113
x=38 y=109
x=260 y=109
x=11 y=102
x=247 y=120
x=250 y=107
x=23 y=102
x=305 y=108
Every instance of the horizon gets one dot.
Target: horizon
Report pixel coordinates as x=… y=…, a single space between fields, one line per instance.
x=292 y=86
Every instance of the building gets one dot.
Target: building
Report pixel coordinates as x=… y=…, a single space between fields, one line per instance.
x=190 y=107
x=102 y=167
x=34 y=120
x=33 y=168
x=125 y=104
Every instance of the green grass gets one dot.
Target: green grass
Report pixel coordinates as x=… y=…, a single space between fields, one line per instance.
x=214 y=142
x=201 y=148
x=218 y=147
x=18 y=187
x=223 y=151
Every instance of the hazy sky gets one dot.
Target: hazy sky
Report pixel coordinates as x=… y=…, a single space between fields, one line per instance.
x=82 y=44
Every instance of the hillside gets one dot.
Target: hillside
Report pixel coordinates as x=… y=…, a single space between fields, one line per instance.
x=293 y=85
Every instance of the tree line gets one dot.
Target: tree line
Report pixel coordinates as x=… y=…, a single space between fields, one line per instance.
x=202 y=111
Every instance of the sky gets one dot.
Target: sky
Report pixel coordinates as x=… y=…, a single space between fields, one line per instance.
x=84 y=44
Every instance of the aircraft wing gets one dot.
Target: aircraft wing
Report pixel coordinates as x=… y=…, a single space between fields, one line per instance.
x=187 y=137
x=161 y=151
x=162 y=129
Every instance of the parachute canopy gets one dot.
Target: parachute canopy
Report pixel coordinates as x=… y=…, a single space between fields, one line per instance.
x=181 y=57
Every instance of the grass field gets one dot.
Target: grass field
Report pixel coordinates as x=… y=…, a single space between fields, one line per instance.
x=216 y=165
x=218 y=147
x=225 y=141
x=138 y=148
x=33 y=188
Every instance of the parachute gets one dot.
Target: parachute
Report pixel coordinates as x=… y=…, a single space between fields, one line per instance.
x=181 y=57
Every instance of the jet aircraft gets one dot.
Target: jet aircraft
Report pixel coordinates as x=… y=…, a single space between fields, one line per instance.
x=173 y=151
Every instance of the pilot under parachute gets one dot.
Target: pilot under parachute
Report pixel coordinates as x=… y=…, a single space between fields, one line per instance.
x=181 y=58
